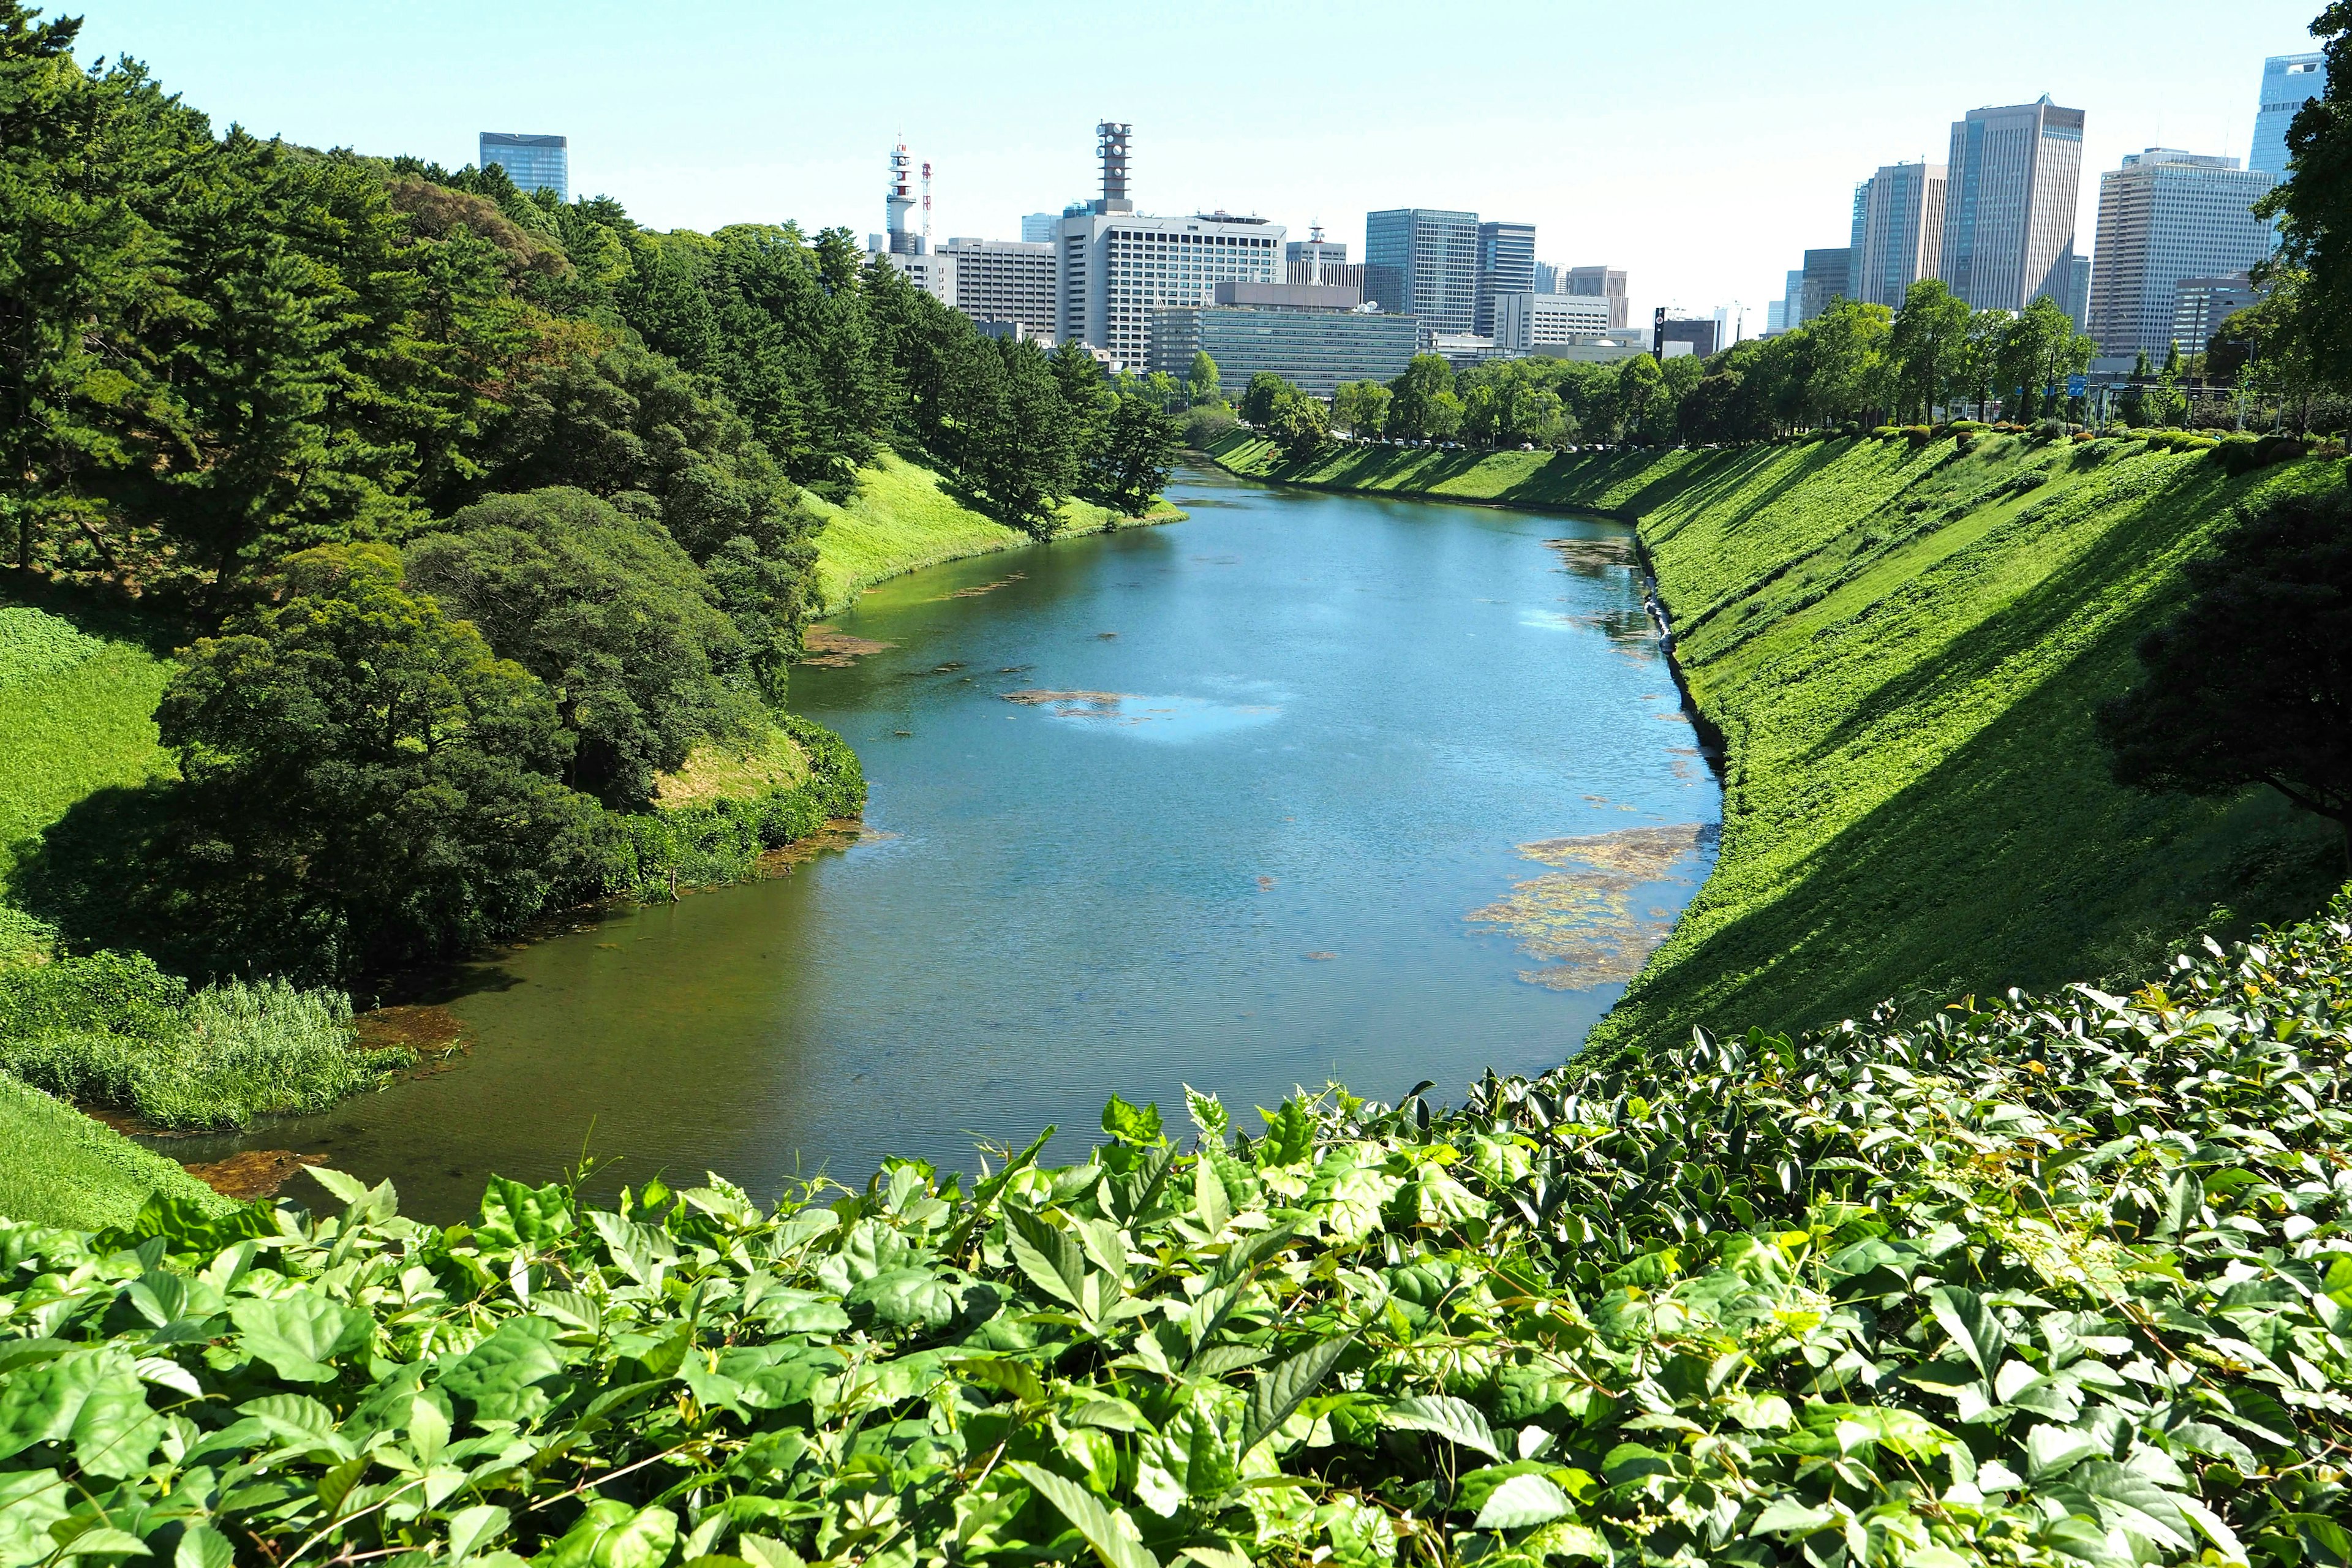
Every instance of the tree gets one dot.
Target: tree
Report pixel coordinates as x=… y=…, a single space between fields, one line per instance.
x=1853 y=374
x=1300 y=424
x=1362 y=408
x=366 y=782
x=1422 y=405
x=1260 y=397
x=1639 y=382
x=1980 y=363
x=2039 y=349
x=1138 y=453
x=2314 y=207
x=1202 y=387
x=2251 y=682
x=608 y=611
x=1929 y=346
x=1022 y=451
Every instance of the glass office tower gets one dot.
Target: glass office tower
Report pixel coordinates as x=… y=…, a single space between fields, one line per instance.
x=532 y=162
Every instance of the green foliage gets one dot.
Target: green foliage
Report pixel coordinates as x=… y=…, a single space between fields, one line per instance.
x=2250 y=683
x=704 y=843
x=610 y=613
x=1203 y=388
x=1136 y=454
x=1362 y=408
x=111 y=1030
x=1260 y=398
x=365 y=782
x=1299 y=424
x=2052 y=1282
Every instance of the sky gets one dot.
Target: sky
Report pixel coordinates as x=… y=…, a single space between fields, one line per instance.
x=1700 y=146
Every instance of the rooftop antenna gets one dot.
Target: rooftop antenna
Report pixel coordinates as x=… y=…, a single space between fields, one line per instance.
x=1110 y=144
x=897 y=201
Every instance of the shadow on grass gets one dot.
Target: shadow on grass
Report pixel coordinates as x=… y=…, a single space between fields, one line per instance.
x=104 y=611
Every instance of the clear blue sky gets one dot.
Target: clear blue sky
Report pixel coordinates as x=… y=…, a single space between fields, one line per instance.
x=1701 y=146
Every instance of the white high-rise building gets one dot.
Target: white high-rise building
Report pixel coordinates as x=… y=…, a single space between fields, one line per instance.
x=1527 y=320
x=2011 y=184
x=2164 y=215
x=1898 y=231
x=1004 y=280
x=1118 y=265
x=2289 y=81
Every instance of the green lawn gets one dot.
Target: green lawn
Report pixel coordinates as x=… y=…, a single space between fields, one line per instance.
x=903 y=520
x=59 y=1167
x=1904 y=649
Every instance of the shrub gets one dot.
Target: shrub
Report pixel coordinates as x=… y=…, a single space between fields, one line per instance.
x=1202 y=424
x=2244 y=454
x=113 y=1030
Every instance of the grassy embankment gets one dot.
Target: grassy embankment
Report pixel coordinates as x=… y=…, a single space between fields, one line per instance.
x=78 y=707
x=904 y=519
x=1904 y=648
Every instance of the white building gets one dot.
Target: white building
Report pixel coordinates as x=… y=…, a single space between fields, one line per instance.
x=1526 y=321
x=1898 y=231
x=2164 y=215
x=932 y=271
x=1118 y=267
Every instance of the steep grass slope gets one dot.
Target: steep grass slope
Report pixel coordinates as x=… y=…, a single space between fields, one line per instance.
x=1904 y=648
x=903 y=520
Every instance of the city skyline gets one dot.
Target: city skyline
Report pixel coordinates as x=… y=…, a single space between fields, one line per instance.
x=1681 y=190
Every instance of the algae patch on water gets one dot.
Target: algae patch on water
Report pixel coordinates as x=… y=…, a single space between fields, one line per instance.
x=832 y=648
x=1578 y=921
x=1591 y=557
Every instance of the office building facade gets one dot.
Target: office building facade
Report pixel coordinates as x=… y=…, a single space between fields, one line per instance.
x=1776 y=317
x=1305 y=261
x=1423 y=262
x=1506 y=265
x=1533 y=318
x=2289 y=81
x=2200 y=306
x=1827 y=278
x=2164 y=215
x=1002 y=280
x=1119 y=269
x=1702 y=335
x=532 y=162
x=2012 y=182
x=1041 y=229
x=1898 y=231
x=1606 y=282
x=1308 y=335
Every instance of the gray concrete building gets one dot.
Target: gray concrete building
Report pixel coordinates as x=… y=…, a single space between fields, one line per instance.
x=2164 y=215
x=1005 y=280
x=1898 y=231
x=1423 y=262
x=1312 y=336
x=2012 y=182
x=1827 y=278
x=2200 y=306
x=1607 y=283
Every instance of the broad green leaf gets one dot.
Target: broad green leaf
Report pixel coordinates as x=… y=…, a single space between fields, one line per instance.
x=106 y=1542
x=2051 y=1450
x=1208 y=1114
x=2184 y=1200
x=298 y=1334
x=1209 y=1202
x=1131 y=1124
x=1521 y=1501
x=501 y=1376
x=201 y=1546
x=1113 y=1535
x=1455 y=1420
x=93 y=1399
x=1289 y=1135
x=1284 y=1387
x=1790 y=1515
x=471 y=1528
x=1050 y=1258
x=516 y=1216
x=30 y=1501
x=612 y=1534
x=1013 y=1377
x=909 y=1301
x=1973 y=1327
x=1195 y=1456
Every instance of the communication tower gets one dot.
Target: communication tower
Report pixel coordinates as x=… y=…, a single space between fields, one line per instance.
x=898 y=201
x=1110 y=143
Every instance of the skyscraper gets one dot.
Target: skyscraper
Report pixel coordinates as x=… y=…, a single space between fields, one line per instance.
x=1609 y=282
x=532 y=162
x=1827 y=278
x=2012 y=180
x=2164 y=215
x=1427 y=261
x=1506 y=265
x=1898 y=231
x=2288 y=82
x=1040 y=229
x=1792 y=298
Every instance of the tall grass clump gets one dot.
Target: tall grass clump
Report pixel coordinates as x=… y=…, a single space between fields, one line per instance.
x=111 y=1030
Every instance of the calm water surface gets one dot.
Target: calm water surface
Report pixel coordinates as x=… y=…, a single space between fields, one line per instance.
x=1294 y=742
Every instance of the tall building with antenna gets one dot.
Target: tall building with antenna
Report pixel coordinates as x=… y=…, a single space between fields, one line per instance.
x=906 y=249
x=1119 y=265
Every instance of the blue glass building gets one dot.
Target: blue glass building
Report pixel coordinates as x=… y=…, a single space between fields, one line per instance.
x=2288 y=82
x=532 y=162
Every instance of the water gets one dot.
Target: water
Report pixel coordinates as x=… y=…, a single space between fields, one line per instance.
x=1292 y=744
